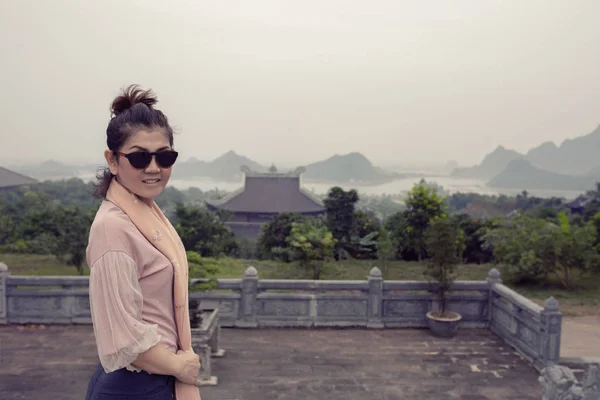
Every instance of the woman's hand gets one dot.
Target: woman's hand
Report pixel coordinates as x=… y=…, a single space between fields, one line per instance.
x=189 y=370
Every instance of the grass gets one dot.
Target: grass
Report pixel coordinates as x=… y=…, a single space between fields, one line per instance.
x=37 y=264
x=585 y=300
x=344 y=270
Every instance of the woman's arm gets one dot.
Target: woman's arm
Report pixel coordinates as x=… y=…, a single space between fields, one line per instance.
x=123 y=338
x=185 y=365
x=159 y=360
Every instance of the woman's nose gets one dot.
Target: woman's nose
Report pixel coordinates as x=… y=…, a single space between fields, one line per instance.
x=153 y=166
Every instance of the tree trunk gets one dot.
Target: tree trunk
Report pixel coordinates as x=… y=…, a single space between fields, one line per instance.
x=443 y=301
x=316 y=272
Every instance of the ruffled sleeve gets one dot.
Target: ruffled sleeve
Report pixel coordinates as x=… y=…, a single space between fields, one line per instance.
x=116 y=303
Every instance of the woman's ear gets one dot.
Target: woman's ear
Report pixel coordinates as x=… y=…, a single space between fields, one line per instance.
x=112 y=161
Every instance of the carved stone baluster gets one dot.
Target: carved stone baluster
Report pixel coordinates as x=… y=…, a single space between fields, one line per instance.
x=4 y=274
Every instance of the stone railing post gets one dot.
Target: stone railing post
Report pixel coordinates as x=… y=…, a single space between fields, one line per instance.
x=551 y=326
x=247 y=317
x=4 y=274
x=492 y=279
x=375 y=299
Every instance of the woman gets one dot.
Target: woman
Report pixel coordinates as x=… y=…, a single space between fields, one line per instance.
x=138 y=266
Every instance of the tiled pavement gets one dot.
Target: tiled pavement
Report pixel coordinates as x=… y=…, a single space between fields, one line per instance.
x=330 y=364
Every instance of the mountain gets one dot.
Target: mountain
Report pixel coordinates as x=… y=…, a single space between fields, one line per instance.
x=191 y=168
x=339 y=168
x=351 y=167
x=574 y=156
x=540 y=155
x=577 y=156
x=492 y=164
x=49 y=169
x=229 y=165
x=345 y=168
x=522 y=174
x=223 y=168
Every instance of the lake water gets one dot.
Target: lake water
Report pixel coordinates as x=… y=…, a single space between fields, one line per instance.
x=453 y=185
x=399 y=186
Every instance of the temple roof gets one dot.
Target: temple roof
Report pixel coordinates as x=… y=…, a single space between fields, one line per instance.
x=10 y=178
x=273 y=192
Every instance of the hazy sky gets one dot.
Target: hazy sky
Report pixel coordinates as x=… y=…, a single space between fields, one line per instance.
x=292 y=82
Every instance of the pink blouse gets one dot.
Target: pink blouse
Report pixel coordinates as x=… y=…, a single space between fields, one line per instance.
x=131 y=291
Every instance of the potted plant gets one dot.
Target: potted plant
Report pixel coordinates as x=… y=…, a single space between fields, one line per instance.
x=444 y=245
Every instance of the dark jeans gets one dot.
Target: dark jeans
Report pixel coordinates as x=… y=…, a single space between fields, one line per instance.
x=123 y=384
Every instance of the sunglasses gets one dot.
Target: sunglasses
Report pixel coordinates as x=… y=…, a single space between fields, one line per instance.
x=141 y=159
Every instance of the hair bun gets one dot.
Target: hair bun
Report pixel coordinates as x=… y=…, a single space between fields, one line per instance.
x=131 y=96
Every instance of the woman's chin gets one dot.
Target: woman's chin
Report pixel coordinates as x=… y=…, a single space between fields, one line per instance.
x=150 y=192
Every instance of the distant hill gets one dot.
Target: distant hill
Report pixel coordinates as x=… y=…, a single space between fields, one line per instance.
x=574 y=157
x=51 y=169
x=345 y=168
x=522 y=174
x=222 y=168
x=338 y=168
x=351 y=167
x=492 y=164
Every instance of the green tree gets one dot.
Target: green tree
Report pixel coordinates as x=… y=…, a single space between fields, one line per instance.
x=384 y=206
x=595 y=221
x=271 y=243
x=444 y=243
x=386 y=251
x=423 y=206
x=202 y=268
x=72 y=227
x=516 y=243
x=6 y=226
x=56 y=229
x=340 y=216
x=363 y=236
x=203 y=232
x=475 y=229
x=312 y=244
x=398 y=228
x=567 y=248
x=534 y=248
x=592 y=208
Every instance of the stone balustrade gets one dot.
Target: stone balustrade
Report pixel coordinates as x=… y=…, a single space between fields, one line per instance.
x=206 y=334
x=373 y=303
x=535 y=331
x=251 y=302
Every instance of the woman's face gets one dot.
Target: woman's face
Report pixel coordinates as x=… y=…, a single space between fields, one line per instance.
x=149 y=182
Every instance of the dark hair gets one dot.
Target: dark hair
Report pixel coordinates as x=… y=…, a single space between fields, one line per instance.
x=133 y=109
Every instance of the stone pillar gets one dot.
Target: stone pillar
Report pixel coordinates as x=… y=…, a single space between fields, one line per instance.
x=551 y=324
x=375 y=299
x=247 y=317
x=205 y=375
x=214 y=343
x=195 y=314
x=492 y=279
x=4 y=274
